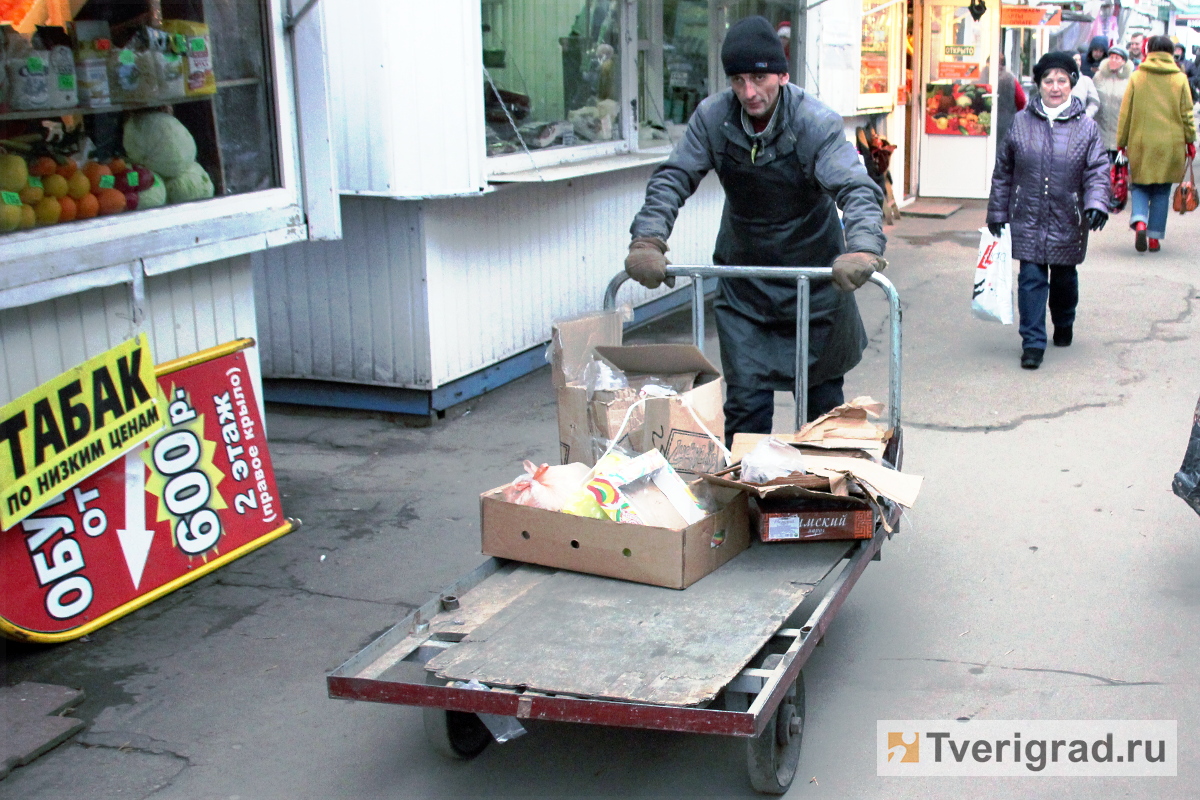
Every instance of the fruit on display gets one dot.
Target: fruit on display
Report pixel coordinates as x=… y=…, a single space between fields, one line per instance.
x=159 y=141
x=33 y=192
x=28 y=217
x=55 y=185
x=10 y=217
x=47 y=211
x=43 y=166
x=78 y=185
x=87 y=206
x=67 y=168
x=131 y=200
x=14 y=173
x=111 y=201
x=69 y=209
x=155 y=194
x=193 y=184
x=96 y=172
x=117 y=166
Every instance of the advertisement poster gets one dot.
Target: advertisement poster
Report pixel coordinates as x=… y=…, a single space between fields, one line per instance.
x=198 y=494
x=958 y=109
x=1030 y=16
x=72 y=425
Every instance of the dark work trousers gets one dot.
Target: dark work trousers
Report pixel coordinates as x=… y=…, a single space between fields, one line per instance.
x=1038 y=282
x=749 y=410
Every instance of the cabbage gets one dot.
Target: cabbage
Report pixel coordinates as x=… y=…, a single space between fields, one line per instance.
x=155 y=196
x=193 y=184
x=159 y=141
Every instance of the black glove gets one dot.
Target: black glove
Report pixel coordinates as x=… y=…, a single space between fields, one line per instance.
x=1096 y=218
x=996 y=228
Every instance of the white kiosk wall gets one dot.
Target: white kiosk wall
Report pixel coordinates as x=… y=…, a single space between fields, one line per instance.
x=958 y=140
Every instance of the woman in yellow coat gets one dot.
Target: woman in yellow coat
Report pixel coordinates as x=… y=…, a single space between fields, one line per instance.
x=1157 y=133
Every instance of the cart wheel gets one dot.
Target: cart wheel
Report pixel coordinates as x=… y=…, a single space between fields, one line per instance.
x=773 y=757
x=454 y=734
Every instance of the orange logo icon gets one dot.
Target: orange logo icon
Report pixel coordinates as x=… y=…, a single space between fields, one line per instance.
x=904 y=747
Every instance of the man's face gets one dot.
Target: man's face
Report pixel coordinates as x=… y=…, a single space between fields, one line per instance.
x=1135 y=45
x=758 y=92
x=1098 y=53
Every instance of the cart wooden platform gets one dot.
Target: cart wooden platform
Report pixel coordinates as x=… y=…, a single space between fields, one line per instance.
x=723 y=656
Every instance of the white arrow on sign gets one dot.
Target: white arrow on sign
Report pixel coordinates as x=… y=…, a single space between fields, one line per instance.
x=135 y=539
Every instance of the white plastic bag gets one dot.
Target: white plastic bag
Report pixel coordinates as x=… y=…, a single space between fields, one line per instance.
x=771 y=459
x=991 y=299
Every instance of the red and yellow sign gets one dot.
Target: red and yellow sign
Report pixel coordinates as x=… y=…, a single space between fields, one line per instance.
x=198 y=494
x=72 y=425
x=1030 y=16
x=959 y=70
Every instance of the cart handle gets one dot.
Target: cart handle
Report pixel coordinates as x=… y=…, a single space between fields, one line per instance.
x=802 y=276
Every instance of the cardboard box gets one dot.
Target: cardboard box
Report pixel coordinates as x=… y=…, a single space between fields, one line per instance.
x=572 y=346
x=808 y=520
x=673 y=558
x=666 y=424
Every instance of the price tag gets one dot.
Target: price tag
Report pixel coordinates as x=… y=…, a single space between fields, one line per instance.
x=179 y=43
x=10 y=198
x=131 y=178
x=66 y=82
x=36 y=182
x=198 y=44
x=126 y=57
x=107 y=181
x=35 y=64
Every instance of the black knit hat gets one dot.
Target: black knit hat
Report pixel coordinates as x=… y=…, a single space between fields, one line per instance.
x=751 y=45
x=1057 y=60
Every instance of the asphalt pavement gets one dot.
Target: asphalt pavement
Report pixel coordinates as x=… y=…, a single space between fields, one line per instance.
x=1046 y=572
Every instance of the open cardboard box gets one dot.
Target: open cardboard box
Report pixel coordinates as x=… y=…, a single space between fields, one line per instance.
x=672 y=425
x=673 y=558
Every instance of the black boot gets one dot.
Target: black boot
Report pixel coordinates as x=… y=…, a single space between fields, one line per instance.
x=1031 y=358
x=1062 y=335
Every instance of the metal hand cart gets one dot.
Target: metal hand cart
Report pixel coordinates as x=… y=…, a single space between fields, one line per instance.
x=719 y=657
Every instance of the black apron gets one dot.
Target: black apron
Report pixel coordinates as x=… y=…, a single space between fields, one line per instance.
x=776 y=215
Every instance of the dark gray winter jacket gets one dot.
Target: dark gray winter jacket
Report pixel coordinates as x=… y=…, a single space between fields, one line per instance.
x=1047 y=174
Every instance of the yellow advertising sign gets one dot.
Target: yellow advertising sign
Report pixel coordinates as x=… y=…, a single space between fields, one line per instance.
x=69 y=427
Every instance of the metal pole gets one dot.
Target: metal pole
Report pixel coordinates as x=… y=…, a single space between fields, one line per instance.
x=802 y=311
x=698 y=311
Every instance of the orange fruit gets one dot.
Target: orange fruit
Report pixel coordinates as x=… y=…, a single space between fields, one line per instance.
x=111 y=201
x=88 y=206
x=117 y=166
x=28 y=217
x=94 y=173
x=47 y=211
x=67 y=169
x=43 y=166
x=78 y=185
x=56 y=185
x=69 y=209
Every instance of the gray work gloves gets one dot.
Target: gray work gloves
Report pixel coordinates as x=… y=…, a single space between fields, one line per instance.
x=852 y=270
x=647 y=262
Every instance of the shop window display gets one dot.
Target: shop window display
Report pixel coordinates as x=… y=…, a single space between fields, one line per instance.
x=113 y=107
x=672 y=77
x=878 y=54
x=552 y=73
x=958 y=100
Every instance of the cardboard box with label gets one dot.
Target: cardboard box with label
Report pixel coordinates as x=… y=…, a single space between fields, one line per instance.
x=685 y=427
x=671 y=557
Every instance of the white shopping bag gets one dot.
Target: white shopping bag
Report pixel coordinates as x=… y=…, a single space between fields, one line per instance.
x=991 y=298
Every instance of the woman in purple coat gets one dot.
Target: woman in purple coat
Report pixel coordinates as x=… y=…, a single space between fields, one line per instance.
x=1050 y=185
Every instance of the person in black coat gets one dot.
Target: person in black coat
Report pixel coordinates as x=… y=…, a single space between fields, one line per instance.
x=1050 y=186
x=786 y=168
